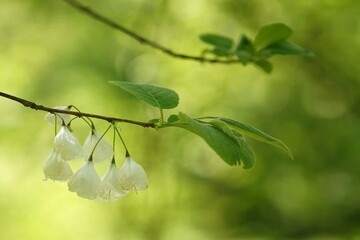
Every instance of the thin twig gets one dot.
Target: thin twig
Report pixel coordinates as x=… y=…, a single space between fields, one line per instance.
x=86 y=10
x=35 y=106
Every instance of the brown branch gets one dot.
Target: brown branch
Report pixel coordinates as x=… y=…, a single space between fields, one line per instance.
x=35 y=106
x=88 y=11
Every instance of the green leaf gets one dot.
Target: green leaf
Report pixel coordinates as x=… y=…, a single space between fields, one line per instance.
x=221 y=52
x=243 y=56
x=264 y=65
x=160 y=97
x=217 y=40
x=225 y=146
x=173 y=118
x=154 y=120
x=247 y=155
x=285 y=48
x=271 y=33
x=245 y=44
x=257 y=134
x=244 y=50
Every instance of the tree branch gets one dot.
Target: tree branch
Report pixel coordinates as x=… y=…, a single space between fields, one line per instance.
x=35 y=106
x=98 y=17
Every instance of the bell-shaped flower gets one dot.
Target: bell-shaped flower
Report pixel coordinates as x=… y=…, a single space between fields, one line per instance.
x=103 y=150
x=67 y=144
x=60 y=117
x=111 y=189
x=132 y=176
x=56 y=168
x=86 y=182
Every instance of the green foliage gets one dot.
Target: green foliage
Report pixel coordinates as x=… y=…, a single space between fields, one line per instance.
x=230 y=146
x=271 y=34
x=159 y=97
x=269 y=41
x=221 y=45
x=223 y=135
x=257 y=134
x=244 y=50
x=284 y=48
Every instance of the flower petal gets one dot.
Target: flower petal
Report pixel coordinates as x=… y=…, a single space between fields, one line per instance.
x=86 y=182
x=103 y=150
x=50 y=117
x=111 y=185
x=67 y=144
x=132 y=176
x=56 y=168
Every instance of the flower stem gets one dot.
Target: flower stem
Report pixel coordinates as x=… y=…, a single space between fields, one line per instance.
x=99 y=140
x=123 y=142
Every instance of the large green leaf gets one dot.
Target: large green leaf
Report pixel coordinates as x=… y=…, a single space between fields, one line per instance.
x=160 y=97
x=227 y=147
x=246 y=154
x=217 y=41
x=256 y=134
x=271 y=33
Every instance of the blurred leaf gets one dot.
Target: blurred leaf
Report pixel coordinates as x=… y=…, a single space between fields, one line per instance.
x=256 y=134
x=154 y=120
x=160 y=97
x=244 y=50
x=221 y=52
x=245 y=44
x=271 y=33
x=218 y=41
x=173 y=118
x=243 y=56
x=285 y=48
x=225 y=146
x=264 y=65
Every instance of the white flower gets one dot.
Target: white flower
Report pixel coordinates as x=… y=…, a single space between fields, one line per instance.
x=67 y=144
x=132 y=176
x=111 y=185
x=56 y=168
x=103 y=150
x=86 y=182
x=50 y=117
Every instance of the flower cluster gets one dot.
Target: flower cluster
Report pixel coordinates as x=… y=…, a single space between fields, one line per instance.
x=86 y=182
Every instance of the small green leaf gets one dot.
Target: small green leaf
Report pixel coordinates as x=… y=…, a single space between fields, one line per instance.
x=243 y=56
x=257 y=134
x=218 y=41
x=244 y=50
x=226 y=147
x=221 y=52
x=173 y=118
x=264 y=65
x=271 y=33
x=160 y=97
x=245 y=44
x=285 y=48
x=154 y=120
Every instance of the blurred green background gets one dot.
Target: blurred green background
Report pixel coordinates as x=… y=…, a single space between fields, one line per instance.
x=54 y=55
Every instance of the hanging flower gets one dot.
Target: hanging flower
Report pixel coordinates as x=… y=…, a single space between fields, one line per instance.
x=86 y=182
x=103 y=150
x=67 y=144
x=50 y=117
x=111 y=189
x=56 y=168
x=132 y=176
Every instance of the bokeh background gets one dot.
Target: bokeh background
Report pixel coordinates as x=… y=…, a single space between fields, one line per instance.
x=54 y=55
